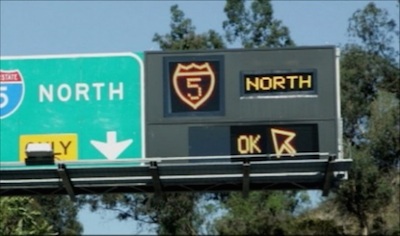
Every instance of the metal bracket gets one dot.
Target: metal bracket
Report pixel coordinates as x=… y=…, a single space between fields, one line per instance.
x=62 y=171
x=156 y=180
x=246 y=178
x=328 y=176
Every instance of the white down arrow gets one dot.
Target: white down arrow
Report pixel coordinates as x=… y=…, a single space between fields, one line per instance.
x=111 y=149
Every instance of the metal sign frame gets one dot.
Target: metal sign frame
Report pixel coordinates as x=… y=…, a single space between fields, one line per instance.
x=203 y=173
x=158 y=175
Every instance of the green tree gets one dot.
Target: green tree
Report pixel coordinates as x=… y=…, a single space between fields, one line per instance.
x=61 y=213
x=376 y=31
x=370 y=79
x=371 y=64
x=372 y=190
x=173 y=215
x=368 y=202
x=38 y=216
x=368 y=69
x=384 y=131
x=365 y=193
x=262 y=213
x=254 y=26
x=183 y=35
x=22 y=216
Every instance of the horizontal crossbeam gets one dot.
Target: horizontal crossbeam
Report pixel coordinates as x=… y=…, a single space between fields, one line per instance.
x=161 y=177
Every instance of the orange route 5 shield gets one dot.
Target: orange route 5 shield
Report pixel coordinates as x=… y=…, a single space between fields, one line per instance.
x=194 y=83
x=194 y=86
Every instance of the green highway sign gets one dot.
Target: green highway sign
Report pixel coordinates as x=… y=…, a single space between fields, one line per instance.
x=87 y=106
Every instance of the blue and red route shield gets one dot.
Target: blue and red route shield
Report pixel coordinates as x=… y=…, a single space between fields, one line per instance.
x=11 y=92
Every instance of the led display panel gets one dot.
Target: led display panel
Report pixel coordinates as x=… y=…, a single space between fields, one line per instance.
x=243 y=101
x=193 y=86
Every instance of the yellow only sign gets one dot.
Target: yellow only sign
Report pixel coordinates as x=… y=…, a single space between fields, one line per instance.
x=65 y=146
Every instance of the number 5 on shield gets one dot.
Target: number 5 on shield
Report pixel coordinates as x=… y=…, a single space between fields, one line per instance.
x=3 y=97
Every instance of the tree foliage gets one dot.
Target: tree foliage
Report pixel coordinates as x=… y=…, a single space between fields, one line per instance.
x=372 y=188
x=370 y=92
x=368 y=66
x=262 y=213
x=366 y=191
x=61 y=213
x=22 y=216
x=376 y=32
x=173 y=215
x=183 y=35
x=370 y=83
x=384 y=131
x=38 y=216
x=254 y=27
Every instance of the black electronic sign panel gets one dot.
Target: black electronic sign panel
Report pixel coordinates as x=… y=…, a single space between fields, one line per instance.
x=277 y=141
x=235 y=102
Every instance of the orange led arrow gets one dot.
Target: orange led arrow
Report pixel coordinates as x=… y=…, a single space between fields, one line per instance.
x=285 y=145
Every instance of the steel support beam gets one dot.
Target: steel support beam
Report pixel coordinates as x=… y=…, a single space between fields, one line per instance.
x=156 y=180
x=328 y=176
x=62 y=171
x=246 y=178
